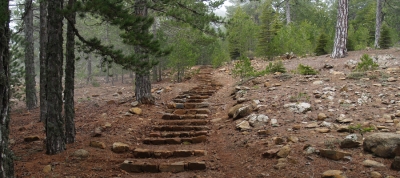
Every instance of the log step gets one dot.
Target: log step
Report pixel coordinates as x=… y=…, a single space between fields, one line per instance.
x=180 y=128
x=163 y=154
x=178 y=134
x=168 y=116
x=138 y=167
x=174 y=141
x=185 y=122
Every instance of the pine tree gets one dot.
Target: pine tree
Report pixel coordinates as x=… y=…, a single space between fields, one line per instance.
x=30 y=83
x=6 y=160
x=267 y=31
x=340 y=41
x=385 y=42
x=322 y=41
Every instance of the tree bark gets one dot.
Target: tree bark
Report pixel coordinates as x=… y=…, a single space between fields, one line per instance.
x=6 y=160
x=43 y=61
x=30 y=83
x=89 y=68
x=69 y=108
x=142 y=80
x=288 y=19
x=339 y=48
x=378 y=24
x=55 y=135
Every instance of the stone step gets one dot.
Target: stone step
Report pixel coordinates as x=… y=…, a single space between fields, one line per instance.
x=191 y=111
x=135 y=166
x=163 y=154
x=187 y=105
x=180 y=128
x=185 y=122
x=162 y=141
x=209 y=93
x=178 y=134
x=192 y=96
x=168 y=116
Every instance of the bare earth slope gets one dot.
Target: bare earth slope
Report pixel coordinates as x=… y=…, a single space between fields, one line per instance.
x=370 y=100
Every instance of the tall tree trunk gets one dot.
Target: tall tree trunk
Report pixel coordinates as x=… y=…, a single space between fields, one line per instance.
x=339 y=48
x=55 y=136
x=30 y=83
x=69 y=108
x=122 y=76
x=43 y=61
x=142 y=80
x=89 y=68
x=159 y=72
x=6 y=159
x=378 y=24
x=288 y=19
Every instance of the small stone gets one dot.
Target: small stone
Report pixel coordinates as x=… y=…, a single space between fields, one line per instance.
x=322 y=130
x=278 y=140
x=97 y=144
x=270 y=153
x=312 y=125
x=47 y=169
x=244 y=125
x=318 y=82
x=264 y=132
x=321 y=116
x=333 y=174
x=371 y=163
x=349 y=143
x=375 y=174
x=284 y=152
x=293 y=139
x=391 y=79
x=296 y=127
x=396 y=163
x=135 y=103
x=136 y=110
x=81 y=153
x=119 y=147
x=333 y=154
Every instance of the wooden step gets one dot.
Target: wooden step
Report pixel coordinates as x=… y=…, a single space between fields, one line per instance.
x=168 y=116
x=163 y=154
x=180 y=128
x=135 y=166
x=162 y=141
x=184 y=122
x=178 y=134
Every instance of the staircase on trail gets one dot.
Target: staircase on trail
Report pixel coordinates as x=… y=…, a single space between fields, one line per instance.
x=178 y=143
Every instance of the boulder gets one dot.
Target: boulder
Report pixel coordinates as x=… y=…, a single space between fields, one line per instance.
x=258 y=120
x=239 y=111
x=382 y=144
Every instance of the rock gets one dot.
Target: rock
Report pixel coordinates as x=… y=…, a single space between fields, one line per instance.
x=200 y=165
x=264 y=132
x=312 y=125
x=326 y=124
x=31 y=138
x=343 y=129
x=333 y=154
x=342 y=119
x=107 y=125
x=135 y=103
x=267 y=84
x=136 y=110
x=47 y=169
x=298 y=107
x=119 y=147
x=296 y=127
x=244 y=125
x=349 y=143
x=239 y=111
x=241 y=100
x=375 y=174
x=293 y=139
x=81 y=153
x=333 y=174
x=284 y=152
x=382 y=144
x=396 y=163
x=258 y=120
x=278 y=140
x=322 y=130
x=97 y=144
x=321 y=116
x=391 y=79
x=216 y=120
x=274 y=122
x=318 y=82
x=371 y=163
x=270 y=153
x=97 y=132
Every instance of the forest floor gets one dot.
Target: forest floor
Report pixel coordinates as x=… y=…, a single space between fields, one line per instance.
x=231 y=152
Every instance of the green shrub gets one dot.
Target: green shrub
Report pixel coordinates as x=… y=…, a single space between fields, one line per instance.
x=366 y=64
x=322 y=41
x=356 y=75
x=243 y=68
x=385 y=42
x=306 y=70
x=275 y=67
